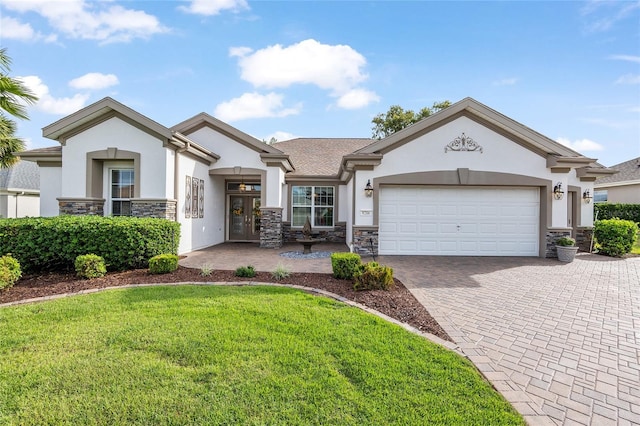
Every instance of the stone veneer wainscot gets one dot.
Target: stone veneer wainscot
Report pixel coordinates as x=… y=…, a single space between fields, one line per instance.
x=270 y=227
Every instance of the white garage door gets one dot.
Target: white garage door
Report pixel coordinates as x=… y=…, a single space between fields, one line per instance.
x=460 y=221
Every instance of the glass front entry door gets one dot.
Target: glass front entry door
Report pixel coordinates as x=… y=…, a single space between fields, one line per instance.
x=244 y=218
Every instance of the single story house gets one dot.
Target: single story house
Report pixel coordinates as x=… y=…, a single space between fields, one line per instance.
x=623 y=187
x=465 y=181
x=20 y=190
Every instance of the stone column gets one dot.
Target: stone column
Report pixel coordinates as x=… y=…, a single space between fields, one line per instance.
x=161 y=208
x=270 y=227
x=81 y=206
x=365 y=240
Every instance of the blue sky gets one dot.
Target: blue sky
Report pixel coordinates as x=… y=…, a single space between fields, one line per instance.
x=569 y=70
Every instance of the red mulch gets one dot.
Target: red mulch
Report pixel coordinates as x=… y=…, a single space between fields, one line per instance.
x=397 y=303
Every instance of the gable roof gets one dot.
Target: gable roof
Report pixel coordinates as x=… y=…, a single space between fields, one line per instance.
x=103 y=109
x=319 y=156
x=22 y=176
x=203 y=119
x=470 y=108
x=627 y=171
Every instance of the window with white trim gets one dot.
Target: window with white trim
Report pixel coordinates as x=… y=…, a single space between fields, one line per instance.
x=315 y=202
x=121 y=191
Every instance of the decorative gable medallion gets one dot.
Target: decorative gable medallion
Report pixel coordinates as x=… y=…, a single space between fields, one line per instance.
x=463 y=143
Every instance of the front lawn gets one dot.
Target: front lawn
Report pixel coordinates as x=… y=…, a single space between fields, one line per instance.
x=228 y=355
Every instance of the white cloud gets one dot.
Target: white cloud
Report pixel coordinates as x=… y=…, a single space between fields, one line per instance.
x=94 y=81
x=280 y=136
x=603 y=15
x=506 y=82
x=214 y=7
x=14 y=29
x=581 y=145
x=357 y=98
x=629 y=79
x=337 y=68
x=254 y=105
x=629 y=58
x=49 y=104
x=102 y=21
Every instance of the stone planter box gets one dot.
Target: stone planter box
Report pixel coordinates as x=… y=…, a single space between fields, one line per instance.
x=566 y=253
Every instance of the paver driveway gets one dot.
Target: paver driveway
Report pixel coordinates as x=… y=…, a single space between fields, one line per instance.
x=560 y=341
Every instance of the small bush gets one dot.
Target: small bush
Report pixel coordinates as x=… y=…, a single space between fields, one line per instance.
x=615 y=237
x=345 y=265
x=90 y=266
x=281 y=272
x=10 y=271
x=372 y=276
x=566 y=242
x=163 y=263
x=206 y=270
x=246 y=271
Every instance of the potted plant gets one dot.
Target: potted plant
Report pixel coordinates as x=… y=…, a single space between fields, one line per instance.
x=566 y=247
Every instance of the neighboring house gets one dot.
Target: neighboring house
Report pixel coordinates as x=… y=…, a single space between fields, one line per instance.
x=464 y=181
x=623 y=187
x=20 y=190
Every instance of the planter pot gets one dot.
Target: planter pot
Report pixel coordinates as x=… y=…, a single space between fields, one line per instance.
x=566 y=253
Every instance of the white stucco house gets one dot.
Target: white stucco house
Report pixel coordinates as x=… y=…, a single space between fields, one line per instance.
x=465 y=181
x=20 y=190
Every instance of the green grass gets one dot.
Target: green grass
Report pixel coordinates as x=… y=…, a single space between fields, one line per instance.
x=228 y=355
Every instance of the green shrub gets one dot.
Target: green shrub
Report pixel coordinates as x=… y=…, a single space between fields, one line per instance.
x=90 y=266
x=246 y=271
x=344 y=265
x=566 y=242
x=615 y=237
x=618 y=211
x=10 y=271
x=372 y=276
x=281 y=272
x=163 y=263
x=53 y=243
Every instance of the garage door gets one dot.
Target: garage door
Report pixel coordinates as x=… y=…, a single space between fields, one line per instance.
x=459 y=221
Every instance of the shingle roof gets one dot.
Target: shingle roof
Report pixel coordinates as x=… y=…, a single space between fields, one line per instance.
x=629 y=170
x=319 y=156
x=24 y=175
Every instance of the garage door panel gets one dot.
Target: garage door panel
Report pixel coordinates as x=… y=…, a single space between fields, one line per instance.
x=459 y=220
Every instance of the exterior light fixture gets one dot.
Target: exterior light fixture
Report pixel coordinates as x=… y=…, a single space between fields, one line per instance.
x=368 y=189
x=558 y=193
x=586 y=196
x=242 y=187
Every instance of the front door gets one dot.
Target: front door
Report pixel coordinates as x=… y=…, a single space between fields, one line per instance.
x=244 y=218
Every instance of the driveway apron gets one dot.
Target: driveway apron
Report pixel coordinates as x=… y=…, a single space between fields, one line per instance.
x=560 y=341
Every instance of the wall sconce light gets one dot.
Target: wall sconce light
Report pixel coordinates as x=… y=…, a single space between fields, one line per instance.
x=586 y=196
x=558 y=193
x=368 y=189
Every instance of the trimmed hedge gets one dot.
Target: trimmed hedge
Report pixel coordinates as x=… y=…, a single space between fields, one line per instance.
x=53 y=243
x=345 y=265
x=615 y=237
x=620 y=211
x=163 y=263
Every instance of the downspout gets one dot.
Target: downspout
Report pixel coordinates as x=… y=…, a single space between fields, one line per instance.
x=176 y=174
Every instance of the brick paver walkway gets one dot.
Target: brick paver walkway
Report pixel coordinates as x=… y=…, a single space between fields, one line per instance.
x=560 y=341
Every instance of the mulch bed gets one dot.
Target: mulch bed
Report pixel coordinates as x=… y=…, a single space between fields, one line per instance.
x=397 y=303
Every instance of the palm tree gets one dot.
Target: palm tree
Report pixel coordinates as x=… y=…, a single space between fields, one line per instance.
x=14 y=96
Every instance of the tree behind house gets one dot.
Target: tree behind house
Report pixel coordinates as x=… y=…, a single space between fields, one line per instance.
x=397 y=118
